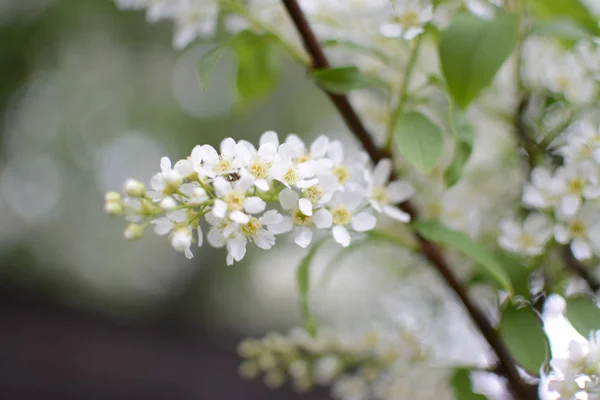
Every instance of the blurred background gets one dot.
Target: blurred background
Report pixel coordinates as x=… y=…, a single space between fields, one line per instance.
x=90 y=96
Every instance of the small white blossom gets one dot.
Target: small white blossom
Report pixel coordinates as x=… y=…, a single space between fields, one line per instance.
x=410 y=17
x=528 y=239
x=383 y=195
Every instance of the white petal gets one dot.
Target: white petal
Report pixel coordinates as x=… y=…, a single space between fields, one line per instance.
x=262 y=185
x=269 y=137
x=569 y=205
x=319 y=147
x=196 y=155
x=307 y=168
x=209 y=154
x=322 y=219
x=267 y=152
x=411 y=33
x=286 y=225
x=162 y=226
x=391 y=30
x=263 y=239
x=219 y=208
x=271 y=217
x=215 y=238
x=303 y=237
x=396 y=213
x=288 y=199
x=363 y=222
x=254 y=205
x=561 y=234
x=200 y=236
x=165 y=164
x=244 y=183
x=239 y=217
x=228 y=148
x=382 y=172
x=305 y=206
x=336 y=152
x=398 y=191
x=222 y=186
x=237 y=248
x=581 y=250
x=188 y=254
x=341 y=235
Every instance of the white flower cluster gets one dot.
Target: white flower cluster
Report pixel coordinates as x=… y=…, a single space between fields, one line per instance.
x=565 y=200
x=357 y=366
x=579 y=374
x=238 y=189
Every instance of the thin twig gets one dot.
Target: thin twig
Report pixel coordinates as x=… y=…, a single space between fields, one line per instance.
x=579 y=269
x=430 y=250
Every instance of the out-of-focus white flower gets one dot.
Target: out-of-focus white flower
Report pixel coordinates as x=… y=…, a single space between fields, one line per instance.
x=582 y=231
x=528 y=239
x=410 y=17
x=383 y=195
x=344 y=208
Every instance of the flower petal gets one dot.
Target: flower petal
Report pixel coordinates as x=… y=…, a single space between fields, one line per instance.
x=219 y=208
x=239 y=217
x=398 y=191
x=269 y=137
x=341 y=235
x=288 y=199
x=254 y=205
x=382 y=172
x=322 y=219
x=396 y=213
x=303 y=237
x=305 y=206
x=363 y=222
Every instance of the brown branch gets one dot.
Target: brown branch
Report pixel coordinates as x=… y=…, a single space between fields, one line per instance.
x=430 y=250
x=579 y=269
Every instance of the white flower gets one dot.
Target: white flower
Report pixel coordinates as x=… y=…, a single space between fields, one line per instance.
x=213 y=163
x=410 y=16
x=382 y=195
x=578 y=182
x=257 y=230
x=345 y=170
x=544 y=190
x=326 y=369
x=232 y=198
x=168 y=180
x=581 y=230
x=181 y=240
x=134 y=188
x=345 y=212
x=316 y=192
x=194 y=19
x=528 y=239
x=258 y=163
x=350 y=388
x=301 y=222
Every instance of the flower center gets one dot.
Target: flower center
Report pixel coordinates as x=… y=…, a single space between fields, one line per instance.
x=235 y=201
x=341 y=173
x=527 y=240
x=341 y=216
x=259 y=170
x=409 y=19
x=313 y=193
x=290 y=177
x=577 y=228
x=379 y=194
x=576 y=186
x=303 y=158
x=251 y=228
x=223 y=166
x=301 y=219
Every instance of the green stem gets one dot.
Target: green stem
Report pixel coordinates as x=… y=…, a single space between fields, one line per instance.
x=402 y=96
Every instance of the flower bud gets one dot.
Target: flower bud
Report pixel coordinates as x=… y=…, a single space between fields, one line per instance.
x=134 y=188
x=168 y=203
x=134 y=232
x=172 y=178
x=113 y=208
x=181 y=239
x=112 y=197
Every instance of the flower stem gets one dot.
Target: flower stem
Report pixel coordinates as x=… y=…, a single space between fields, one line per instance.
x=403 y=94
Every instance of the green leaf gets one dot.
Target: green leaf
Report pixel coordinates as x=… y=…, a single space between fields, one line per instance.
x=303 y=283
x=472 y=50
x=259 y=65
x=439 y=233
x=350 y=45
x=463 y=145
x=567 y=9
x=419 y=140
x=344 y=79
x=522 y=331
x=583 y=314
x=208 y=62
x=561 y=28
x=463 y=388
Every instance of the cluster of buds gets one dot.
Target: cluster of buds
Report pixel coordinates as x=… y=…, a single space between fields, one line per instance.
x=357 y=365
x=248 y=194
